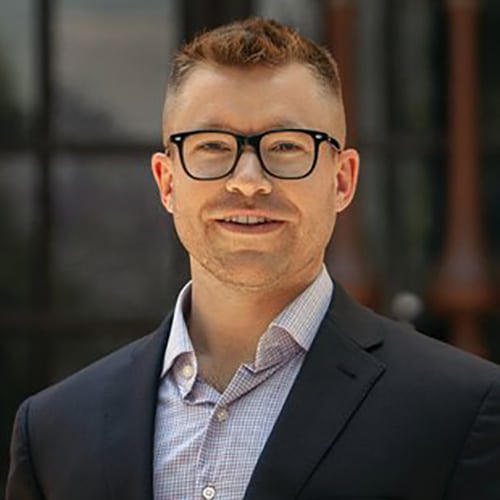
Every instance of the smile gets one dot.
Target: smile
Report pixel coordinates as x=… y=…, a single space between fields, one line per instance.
x=248 y=220
x=249 y=224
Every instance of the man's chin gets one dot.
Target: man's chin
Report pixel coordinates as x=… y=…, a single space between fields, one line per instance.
x=249 y=270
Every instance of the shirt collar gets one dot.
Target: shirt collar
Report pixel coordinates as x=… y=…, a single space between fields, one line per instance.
x=300 y=319
x=178 y=341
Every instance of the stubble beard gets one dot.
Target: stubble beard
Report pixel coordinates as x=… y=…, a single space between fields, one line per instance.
x=247 y=271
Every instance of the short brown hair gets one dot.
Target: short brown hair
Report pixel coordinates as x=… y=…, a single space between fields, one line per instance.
x=253 y=42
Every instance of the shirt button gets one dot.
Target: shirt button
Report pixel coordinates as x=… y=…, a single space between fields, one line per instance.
x=187 y=371
x=208 y=492
x=221 y=415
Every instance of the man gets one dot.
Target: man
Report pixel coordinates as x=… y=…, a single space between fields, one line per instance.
x=268 y=381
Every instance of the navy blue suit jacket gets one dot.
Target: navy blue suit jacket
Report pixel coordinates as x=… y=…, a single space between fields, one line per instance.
x=378 y=411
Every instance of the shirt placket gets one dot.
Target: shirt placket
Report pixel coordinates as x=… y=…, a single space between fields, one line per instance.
x=211 y=460
x=214 y=462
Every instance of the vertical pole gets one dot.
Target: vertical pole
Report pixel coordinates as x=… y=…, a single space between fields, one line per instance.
x=463 y=289
x=42 y=258
x=344 y=257
x=42 y=245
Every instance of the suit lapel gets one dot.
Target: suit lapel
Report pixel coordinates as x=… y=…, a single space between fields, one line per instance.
x=336 y=376
x=129 y=415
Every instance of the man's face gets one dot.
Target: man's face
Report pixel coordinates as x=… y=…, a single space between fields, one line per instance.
x=289 y=250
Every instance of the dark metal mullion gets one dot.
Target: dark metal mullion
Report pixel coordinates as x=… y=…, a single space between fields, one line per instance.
x=393 y=266
x=199 y=15
x=37 y=327
x=42 y=248
x=42 y=258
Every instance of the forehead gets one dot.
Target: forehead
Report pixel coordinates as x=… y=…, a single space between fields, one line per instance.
x=253 y=99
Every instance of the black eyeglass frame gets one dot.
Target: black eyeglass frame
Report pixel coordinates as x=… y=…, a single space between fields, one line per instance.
x=254 y=141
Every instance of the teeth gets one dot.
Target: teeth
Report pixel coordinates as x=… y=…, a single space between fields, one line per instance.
x=247 y=219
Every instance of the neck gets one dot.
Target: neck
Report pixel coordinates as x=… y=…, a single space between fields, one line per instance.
x=226 y=322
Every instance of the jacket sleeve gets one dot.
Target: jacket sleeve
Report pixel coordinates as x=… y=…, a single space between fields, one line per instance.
x=477 y=472
x=21 y=481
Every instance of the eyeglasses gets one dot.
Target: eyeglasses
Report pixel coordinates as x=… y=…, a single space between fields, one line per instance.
x=283 y=153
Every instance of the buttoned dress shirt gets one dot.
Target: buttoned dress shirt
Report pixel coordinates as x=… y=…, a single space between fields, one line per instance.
x=207 y=443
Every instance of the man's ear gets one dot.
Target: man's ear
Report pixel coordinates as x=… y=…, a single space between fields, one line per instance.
x=347 y=178
x=161 y=166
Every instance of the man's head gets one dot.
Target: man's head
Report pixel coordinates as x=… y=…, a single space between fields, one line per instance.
x=254 y=208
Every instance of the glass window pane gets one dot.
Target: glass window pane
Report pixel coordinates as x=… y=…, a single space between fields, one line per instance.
x=111 y=67
x=490 y=193
x=489 y=77
x=116 y=255
x=415 y=91
x=17 y=77
x=16 y=229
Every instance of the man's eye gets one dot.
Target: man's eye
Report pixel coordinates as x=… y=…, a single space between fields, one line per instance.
x=286 y=147
x=215 y=147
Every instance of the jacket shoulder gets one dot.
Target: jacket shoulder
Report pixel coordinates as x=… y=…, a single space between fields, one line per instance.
x=404 y=351
x=404 y=341
x=85 y=388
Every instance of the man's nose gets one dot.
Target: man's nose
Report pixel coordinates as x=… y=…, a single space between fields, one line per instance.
x=248 y=177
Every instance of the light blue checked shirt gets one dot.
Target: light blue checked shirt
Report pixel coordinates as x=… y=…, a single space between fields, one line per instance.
x=207 y=443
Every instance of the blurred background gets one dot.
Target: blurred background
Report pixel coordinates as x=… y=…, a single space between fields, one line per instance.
x=89 y=260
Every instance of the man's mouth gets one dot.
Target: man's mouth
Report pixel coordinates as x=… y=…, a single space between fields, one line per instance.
x=249 y=224
x=248 y=220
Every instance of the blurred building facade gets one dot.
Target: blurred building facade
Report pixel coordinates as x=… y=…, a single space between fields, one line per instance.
x=89 y=260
